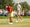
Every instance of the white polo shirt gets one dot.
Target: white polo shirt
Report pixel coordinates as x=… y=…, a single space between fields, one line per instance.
x=18 y=7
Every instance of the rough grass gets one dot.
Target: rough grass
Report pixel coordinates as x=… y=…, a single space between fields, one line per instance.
x=5 y=17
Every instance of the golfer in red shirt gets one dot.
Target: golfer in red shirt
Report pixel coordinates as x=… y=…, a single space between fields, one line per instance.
x=10 y=10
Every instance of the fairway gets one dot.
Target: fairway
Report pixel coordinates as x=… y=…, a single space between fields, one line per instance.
x=25 y=23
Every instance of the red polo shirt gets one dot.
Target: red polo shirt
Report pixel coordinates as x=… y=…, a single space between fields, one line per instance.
x=9 y=8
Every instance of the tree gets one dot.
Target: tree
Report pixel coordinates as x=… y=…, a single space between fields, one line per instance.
x=5 y=2
x=25 y=6
x=9 y=2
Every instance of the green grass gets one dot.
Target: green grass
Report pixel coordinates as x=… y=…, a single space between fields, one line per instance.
x=25 y=23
